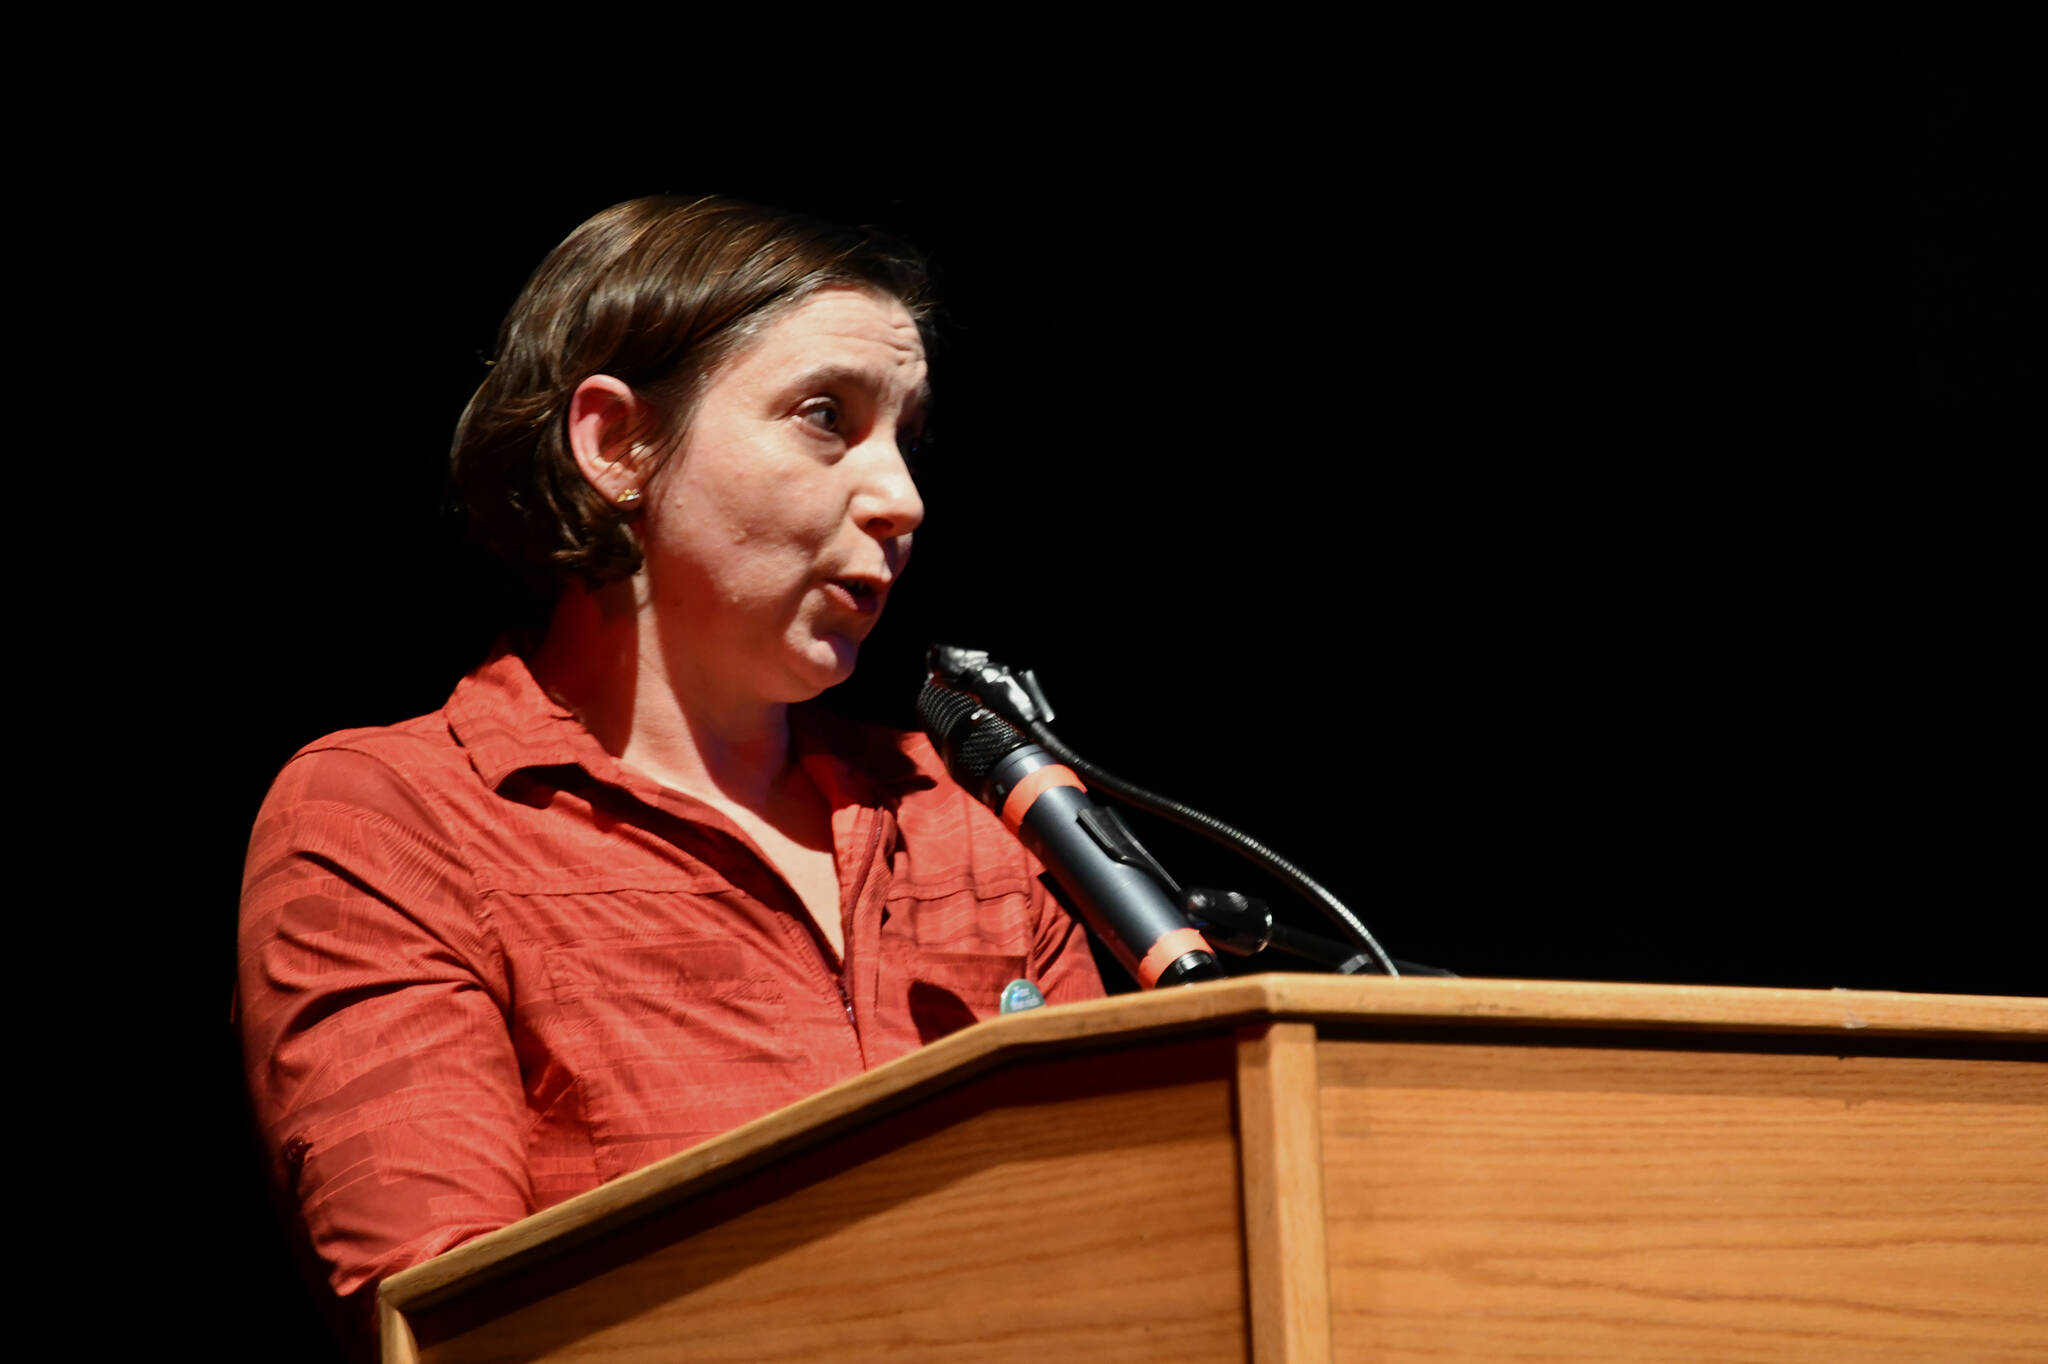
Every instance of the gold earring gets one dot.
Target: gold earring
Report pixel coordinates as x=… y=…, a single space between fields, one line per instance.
x=628 y=497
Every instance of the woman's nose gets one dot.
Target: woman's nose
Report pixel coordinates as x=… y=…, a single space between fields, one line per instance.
x=888 y=505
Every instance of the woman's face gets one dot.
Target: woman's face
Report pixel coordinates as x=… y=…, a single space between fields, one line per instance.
x=774 y=534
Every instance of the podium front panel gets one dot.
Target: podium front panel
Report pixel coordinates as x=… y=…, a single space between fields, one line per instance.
x=1081 y=1207
x=1608 y=1201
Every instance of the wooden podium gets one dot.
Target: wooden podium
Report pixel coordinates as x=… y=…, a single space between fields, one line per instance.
x=1310 y=1168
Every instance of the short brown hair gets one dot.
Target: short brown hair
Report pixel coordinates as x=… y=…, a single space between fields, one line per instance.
x=656 y=293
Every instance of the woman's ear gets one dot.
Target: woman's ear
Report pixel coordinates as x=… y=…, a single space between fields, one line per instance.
x=603 y=414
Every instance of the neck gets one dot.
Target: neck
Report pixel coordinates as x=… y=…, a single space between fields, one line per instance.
x=661 y=717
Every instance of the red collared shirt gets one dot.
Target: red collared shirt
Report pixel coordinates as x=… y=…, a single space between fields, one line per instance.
x=484 y=967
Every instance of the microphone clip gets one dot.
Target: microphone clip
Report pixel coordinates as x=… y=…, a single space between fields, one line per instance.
x=1013 y=694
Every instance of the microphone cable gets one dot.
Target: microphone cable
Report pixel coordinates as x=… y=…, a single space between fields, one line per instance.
x=1216 y=831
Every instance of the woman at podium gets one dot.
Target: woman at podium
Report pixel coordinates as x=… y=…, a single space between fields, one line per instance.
x=625 y=889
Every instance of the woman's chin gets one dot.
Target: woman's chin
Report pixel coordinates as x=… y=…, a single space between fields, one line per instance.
x=829 y=659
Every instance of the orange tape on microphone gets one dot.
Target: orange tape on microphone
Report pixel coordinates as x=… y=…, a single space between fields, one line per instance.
x=1018 y=804
x=1170 y=948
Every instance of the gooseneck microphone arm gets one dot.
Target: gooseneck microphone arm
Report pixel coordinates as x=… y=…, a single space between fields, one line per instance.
x=1018 y=698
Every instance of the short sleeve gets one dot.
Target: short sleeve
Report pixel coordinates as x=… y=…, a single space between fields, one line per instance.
x=373 y=1010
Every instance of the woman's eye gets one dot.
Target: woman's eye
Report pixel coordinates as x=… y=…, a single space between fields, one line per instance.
x=825 y=416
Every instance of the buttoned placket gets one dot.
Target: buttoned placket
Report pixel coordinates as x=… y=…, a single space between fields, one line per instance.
x=862 y=916
x=861 y=886
x=858 y=887
x=808 y=945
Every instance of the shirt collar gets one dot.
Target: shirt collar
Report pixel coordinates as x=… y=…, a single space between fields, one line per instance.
x=507 y=723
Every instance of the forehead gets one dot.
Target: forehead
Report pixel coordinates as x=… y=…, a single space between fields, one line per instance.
x=840 y=329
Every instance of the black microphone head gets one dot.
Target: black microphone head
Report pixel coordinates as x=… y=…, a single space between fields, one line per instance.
x=940 y=707
x=971 y=747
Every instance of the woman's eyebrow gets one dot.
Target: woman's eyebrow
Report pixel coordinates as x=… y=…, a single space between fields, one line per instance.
x=860 y=376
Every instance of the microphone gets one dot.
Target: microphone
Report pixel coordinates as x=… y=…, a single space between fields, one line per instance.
x=1045 y=805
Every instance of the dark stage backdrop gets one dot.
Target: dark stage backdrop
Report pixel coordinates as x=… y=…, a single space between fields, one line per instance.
x=1481 y=573
x=1483 y=519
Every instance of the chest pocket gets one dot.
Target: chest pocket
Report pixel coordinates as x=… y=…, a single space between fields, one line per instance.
x=673 y=998
x=668 y=1040
x=942 y=992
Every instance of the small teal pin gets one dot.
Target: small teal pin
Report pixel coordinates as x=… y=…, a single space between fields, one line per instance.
x=1020 y=995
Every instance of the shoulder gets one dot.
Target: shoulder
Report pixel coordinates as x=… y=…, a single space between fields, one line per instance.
x=357 y=824
x=386 y=768
x=353 y=844
x=388 y=795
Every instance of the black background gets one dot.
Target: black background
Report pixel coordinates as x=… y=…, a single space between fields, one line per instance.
x=1575 y=517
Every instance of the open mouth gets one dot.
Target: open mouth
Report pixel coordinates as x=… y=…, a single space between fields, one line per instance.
x=865 y=596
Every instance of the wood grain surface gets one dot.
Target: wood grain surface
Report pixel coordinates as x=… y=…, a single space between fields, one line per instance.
x=1105 y=1187
x=1612 y=1203
x=1280 y=1135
